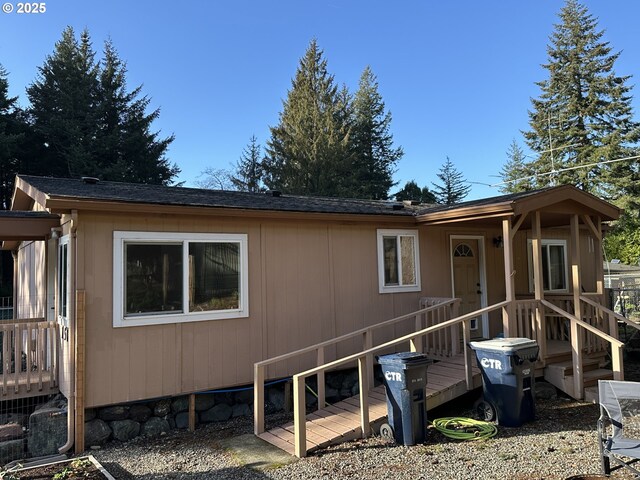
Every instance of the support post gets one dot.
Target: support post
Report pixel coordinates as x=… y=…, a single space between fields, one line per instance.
x=536 y=244
x=364 y=396
x=299 y=417
x=368 y=344
x=576 y=334
x=192 y=412
x=80 y=363
x=508 y=317
x=322 y=396
x=468 y=356
x=258 y=399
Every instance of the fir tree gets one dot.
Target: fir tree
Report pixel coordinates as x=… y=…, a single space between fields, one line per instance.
x=375 y=157
x=453 y=188
x=516 y=173
x=87 y=121
x=10 y=135
x=411 y=191
x=583 y=115
x=247 y=176
x=309 y=148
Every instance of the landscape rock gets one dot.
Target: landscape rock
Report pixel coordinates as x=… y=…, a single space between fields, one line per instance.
x=204 y=402
x=243 y=396
x=19 y=418
x=125 y=430
x=180 y=404
x=154 y=426
x=224 y=397
x=140 y=413
x=116 y=412
x=241 y=410
x=335 y=380
x=218 y=413
x=11 y=450
x=275 y=396
x=10 y=431
x=182 y=420
x=162 y=407
x=59 y=401
x=90 y=414
x=96 y=432
x=47 y=431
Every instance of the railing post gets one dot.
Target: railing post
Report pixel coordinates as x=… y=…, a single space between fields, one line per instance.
x=299 y=417
x=455 y=330
x=541 y=325
x=417 y=343
x=576 y=355
x=322 y=396
x=368 y=344
x=468 y=367
x=258 y=399
x=617 y=362
x=364 y=396
x=613 y=326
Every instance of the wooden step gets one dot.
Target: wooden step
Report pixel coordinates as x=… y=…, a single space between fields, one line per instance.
x=590 y=379
x=565 y=368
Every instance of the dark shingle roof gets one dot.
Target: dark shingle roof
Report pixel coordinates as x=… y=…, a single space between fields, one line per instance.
x=161 y=195
x=26 y=214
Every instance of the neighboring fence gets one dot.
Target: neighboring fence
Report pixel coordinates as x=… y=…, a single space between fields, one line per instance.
x=625 y=301
x=6 y=308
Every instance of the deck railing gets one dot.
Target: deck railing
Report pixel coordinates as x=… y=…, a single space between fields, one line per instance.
x=6 y=308
x=29 y=357
x=365 y=366
x=434 y=309
x=578 y=333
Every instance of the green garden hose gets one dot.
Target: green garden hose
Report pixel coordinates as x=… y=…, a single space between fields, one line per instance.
x=460 y=428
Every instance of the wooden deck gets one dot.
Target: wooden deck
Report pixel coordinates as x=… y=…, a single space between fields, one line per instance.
x=340 y=422
x=27 y=384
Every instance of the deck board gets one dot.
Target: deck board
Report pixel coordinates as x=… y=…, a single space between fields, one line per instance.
x=340 y=422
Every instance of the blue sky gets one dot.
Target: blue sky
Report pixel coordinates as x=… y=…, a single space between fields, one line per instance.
x=457 y=76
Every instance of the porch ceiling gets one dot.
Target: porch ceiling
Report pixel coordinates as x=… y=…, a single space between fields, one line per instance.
x=19 y=226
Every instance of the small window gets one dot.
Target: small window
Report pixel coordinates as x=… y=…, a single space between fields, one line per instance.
x=174 y=277
x=554 y=265
x=398 y=261
x=463 y=250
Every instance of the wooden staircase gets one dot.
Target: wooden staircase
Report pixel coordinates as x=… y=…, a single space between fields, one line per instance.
x=559 y=371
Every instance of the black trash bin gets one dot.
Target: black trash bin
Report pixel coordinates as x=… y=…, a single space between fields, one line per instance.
x=507 y=379
x=405 y=381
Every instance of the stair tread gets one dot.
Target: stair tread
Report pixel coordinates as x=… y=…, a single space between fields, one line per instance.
x=569 y=363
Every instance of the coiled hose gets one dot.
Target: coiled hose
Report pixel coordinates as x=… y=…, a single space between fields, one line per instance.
x=461 y=428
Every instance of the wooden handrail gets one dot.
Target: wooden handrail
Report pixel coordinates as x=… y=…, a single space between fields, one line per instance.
x=583 y=324
x=366 y=333
x=576 y=348
x=356 y=333
x=603 y=309
x=299 y=401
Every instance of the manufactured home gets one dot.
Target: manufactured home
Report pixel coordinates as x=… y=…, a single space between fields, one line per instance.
x=133 y=292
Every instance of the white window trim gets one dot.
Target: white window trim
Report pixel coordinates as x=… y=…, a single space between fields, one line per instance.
x=548 y=241
x=119 y=240
x=398 y=288
x=64 y=241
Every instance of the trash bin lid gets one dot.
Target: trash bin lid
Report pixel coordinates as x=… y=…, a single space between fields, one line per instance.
x=504 y=345
x=403 y=358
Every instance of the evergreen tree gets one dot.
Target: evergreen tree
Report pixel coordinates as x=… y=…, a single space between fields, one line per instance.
x=516 y=173
x=247 y=176
x=453 y=188
x=64 y=101
x=86 y=123
x=374 y=155
x=10 y=136
x=129 y=150
x=584 y=114
x=411 y=191
x=309 y=148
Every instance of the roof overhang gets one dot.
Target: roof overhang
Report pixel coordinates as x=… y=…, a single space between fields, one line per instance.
x=555 y=204
x=21 y=226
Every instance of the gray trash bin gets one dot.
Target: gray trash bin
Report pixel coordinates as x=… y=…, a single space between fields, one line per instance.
x=405 y=381
x=507 y=378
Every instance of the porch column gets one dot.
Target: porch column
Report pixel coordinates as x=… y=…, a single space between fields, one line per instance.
x=508 y=313
x=538 y=285
x=14 y=255
x=599 y=260
x=576 y=333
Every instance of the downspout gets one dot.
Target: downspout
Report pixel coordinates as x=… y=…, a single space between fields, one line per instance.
x=14 y=312
x=71 y=401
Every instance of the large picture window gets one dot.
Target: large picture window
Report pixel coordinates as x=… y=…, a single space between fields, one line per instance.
x=175 y=277
x=398 y=261
x=554 y=265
